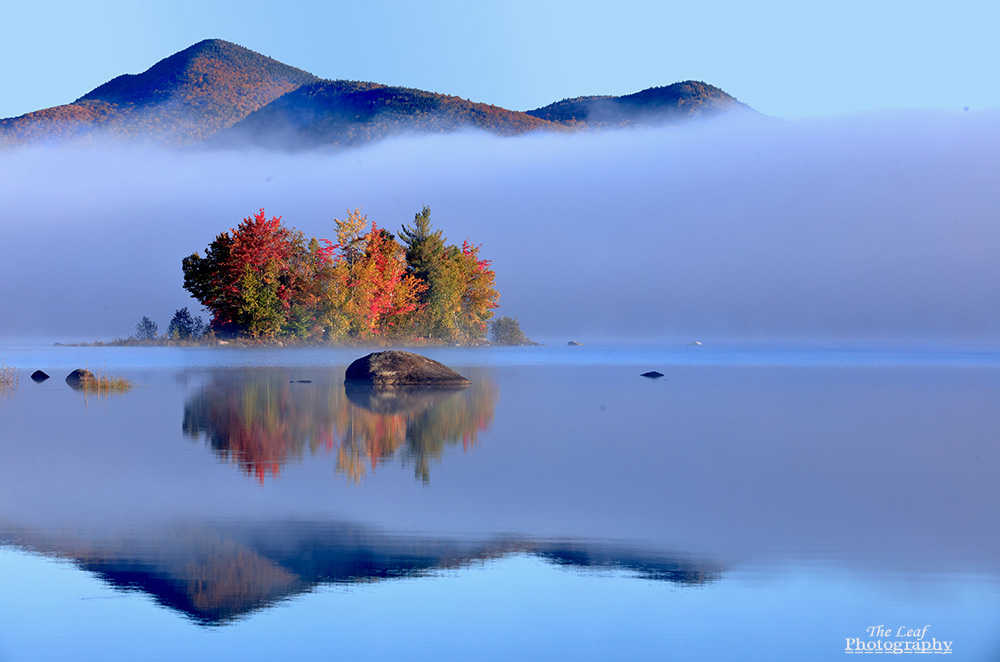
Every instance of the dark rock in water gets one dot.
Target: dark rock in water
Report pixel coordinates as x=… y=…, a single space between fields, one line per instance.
x=39 y=376
x=79 y=377
x=573 y=343
x=652 y=374
x=398 y=368
x=301 y=381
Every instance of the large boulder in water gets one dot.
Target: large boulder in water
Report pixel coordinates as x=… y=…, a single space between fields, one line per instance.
x=79 y=378
x=398 y=368
x=39 y=376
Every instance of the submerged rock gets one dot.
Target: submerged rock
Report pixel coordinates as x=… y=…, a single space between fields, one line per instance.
x=694 y=342
x=79 y=378
x=573 y=343
x=398 y=368
x=39 y=376
x=652 y=374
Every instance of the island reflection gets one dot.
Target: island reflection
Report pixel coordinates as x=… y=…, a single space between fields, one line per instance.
x=219 y=572
x=262 y=419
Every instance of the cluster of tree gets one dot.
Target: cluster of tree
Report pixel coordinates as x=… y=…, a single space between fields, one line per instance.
x=263 y=280
x=183 y=326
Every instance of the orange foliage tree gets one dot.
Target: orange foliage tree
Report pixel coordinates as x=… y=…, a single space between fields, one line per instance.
x=373 y=295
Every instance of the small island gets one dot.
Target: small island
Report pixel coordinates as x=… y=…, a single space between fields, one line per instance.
x=265 y=283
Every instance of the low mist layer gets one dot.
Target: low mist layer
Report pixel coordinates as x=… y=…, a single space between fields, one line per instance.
x=859 y=228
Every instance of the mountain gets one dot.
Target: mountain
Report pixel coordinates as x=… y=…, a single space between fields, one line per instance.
x=179 y=100
x=348 y=113
x=656 y=105
x=222 y=95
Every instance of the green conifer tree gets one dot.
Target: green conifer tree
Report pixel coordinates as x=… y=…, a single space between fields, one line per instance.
x=426 y=257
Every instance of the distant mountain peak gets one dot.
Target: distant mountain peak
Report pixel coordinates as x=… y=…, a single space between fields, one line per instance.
x=201 y=69
x=654 y=105
x=181 y=99
x=220 y=93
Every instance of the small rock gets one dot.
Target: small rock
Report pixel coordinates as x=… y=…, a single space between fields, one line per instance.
x=79 y=377
x=573 y=343
x=652 y=374
x=39 y=376
x=694 y=342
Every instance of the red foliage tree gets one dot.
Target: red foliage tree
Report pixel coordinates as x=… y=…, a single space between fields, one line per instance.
x=257 y=279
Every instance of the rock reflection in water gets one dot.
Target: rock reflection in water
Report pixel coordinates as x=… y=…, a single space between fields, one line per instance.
x=261 y=419
x=216 y=573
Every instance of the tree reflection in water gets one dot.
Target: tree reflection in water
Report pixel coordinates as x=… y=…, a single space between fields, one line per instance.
x=261 y=419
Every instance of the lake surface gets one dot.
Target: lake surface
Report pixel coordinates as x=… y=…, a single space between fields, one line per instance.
x=753 y=504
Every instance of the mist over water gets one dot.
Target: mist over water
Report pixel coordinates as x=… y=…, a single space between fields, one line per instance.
x=868 y=227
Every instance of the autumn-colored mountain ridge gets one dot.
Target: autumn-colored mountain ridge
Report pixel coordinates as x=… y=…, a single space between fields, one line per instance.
x=344 y=113
x=182 y=99
x=219 y=94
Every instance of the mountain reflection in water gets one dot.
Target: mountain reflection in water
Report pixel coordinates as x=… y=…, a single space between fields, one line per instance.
x=261 y=419
x=219 y=572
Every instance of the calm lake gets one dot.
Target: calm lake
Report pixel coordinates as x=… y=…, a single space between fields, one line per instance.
x=755 y=503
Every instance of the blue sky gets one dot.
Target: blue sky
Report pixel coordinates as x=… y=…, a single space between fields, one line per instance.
x=788 y=59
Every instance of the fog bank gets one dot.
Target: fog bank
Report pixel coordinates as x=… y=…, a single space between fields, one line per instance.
x=871 y=227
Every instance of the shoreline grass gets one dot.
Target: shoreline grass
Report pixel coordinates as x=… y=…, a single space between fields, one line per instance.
x=9 y=377
x=102 y=383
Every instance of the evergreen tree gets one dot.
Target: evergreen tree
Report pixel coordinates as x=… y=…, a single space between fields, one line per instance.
x=424 y=247
x=426 y=259
x=145 y=329
x=184 y=325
